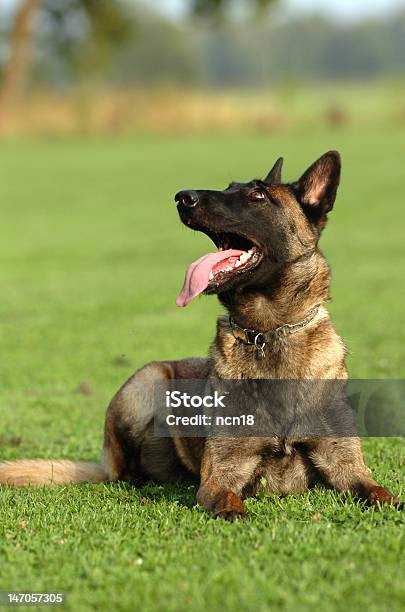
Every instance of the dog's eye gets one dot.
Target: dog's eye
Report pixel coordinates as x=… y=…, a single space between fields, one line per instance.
x=257 y=195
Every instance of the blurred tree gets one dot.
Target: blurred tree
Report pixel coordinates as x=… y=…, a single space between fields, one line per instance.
x=87 y=32
x=220 y=8
x=19 y=55
x=175 y=60
x=229 y=59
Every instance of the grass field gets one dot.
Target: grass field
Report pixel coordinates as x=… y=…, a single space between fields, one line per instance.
x=92 y=257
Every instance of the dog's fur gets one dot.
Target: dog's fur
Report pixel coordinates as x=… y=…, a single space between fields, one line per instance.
x=291 y=278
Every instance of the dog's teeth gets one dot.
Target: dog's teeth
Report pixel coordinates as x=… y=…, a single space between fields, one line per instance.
x=244 y=257
x=211 y=276
x=238 y=263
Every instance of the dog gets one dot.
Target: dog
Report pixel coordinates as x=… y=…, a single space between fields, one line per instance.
x=270 y=276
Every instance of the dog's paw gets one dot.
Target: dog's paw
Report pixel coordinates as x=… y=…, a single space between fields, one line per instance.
x=230 y=515
x=380 y=496
x=229 y=507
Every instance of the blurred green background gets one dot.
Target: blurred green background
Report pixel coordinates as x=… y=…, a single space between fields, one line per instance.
x=167 y=66
x=107 y=109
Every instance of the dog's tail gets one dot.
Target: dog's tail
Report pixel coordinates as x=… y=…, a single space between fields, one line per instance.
x=39 y=472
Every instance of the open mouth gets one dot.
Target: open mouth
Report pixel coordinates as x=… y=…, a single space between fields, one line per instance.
x=236 y=255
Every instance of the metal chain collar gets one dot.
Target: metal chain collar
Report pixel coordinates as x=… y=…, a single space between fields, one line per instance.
x=260 y=339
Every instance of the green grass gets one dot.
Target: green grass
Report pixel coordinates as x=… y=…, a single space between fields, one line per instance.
x=92 y=257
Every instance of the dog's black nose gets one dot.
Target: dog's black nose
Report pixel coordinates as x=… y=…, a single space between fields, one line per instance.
x=187 y=198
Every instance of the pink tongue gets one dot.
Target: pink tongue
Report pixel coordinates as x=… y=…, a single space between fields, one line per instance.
x=198 y=274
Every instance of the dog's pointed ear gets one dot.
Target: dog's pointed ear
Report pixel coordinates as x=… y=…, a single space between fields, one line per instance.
x=274 y=176
x=316 y=190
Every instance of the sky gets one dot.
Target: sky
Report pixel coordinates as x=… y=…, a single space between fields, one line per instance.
x=344 y=9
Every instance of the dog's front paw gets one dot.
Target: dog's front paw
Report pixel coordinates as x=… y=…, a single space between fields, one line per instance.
x=230 y=515
x=379 y=496
x=229 y=507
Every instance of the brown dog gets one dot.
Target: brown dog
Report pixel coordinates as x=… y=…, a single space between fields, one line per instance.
x=274 y=283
